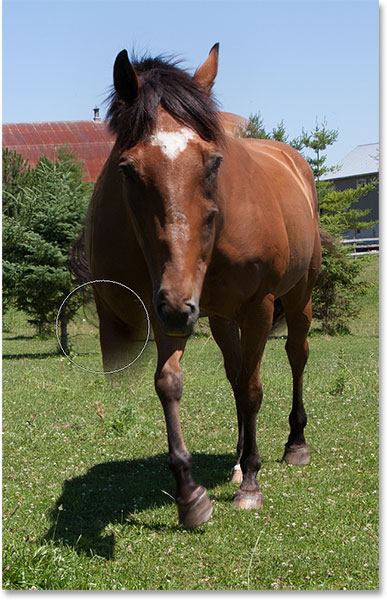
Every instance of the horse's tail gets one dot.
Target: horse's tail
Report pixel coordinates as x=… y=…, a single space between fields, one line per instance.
x=77 y=260
x=329 y=242
x=279 y=314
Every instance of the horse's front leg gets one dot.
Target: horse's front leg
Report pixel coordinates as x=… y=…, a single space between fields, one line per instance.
x=193 y=504
x=255 y=328
x=226 y=335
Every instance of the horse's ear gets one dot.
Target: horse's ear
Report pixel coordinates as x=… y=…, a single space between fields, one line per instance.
x=126 y=82
x=205 y=75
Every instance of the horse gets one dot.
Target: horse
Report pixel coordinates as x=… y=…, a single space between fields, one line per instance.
x=199 y=222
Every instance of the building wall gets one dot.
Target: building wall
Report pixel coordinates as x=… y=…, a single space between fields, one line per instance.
x=370 y=201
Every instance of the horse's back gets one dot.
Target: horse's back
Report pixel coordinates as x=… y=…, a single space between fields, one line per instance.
x=277 y=157
x=286 y=189
x=232 y=123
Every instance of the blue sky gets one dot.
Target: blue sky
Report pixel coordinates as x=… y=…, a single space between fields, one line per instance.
x=295 y=60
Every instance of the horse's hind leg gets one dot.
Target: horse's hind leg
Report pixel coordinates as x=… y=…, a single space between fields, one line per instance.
x=226 y=335
x=194 y=506
x=298 y=317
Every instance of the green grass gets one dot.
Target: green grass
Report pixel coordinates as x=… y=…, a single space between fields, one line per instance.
x=87 y=491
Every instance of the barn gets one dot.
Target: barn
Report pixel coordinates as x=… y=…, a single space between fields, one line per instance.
x=91 y=141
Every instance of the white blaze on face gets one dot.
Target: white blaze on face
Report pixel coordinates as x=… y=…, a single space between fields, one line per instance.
x=172 y=143
x=180 y=227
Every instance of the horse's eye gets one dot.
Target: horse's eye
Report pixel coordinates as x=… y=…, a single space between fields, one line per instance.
x=218 y=160
x=210 y=217
x=214 y=165
x=127 y=168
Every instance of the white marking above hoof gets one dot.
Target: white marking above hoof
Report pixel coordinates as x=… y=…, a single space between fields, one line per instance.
x=236 y=474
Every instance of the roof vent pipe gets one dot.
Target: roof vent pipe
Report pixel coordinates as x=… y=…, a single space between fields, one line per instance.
x=96 y=118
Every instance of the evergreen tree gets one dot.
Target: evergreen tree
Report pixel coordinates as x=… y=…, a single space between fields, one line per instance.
x=337 y=213
x=43 y=209
x=318 y=140
x=254 y=128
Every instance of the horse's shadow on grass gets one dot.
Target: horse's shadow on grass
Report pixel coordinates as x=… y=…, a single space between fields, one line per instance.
x=19 y=337
x=117 y=492
x=32 y=355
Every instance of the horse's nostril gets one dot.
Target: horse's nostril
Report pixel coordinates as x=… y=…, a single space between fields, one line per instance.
x=161 y=301
x=162 y=296
x=192 y=306
x=161 y=304
x=162 y=310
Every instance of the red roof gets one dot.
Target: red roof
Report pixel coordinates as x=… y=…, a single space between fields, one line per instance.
x=90 y=141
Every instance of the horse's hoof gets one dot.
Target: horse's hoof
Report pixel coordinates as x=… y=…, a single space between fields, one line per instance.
x=248 y=500
x=296 y=456
x=196 y=512
x=236 y=474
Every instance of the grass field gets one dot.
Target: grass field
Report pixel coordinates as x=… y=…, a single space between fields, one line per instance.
x=87 y=492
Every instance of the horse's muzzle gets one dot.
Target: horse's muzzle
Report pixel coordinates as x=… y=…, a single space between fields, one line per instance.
x=176 y=319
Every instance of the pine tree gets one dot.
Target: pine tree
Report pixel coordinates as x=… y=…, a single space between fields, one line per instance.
x=254 y=128
x=318 y=140
x=43 y=209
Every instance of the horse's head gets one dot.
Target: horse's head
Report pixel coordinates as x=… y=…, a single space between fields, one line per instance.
x=169 y=151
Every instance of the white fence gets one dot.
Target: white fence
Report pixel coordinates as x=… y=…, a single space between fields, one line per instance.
x=363 y=246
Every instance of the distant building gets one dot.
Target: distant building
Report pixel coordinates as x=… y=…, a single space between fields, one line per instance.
x=359 y=167
x=91 y=141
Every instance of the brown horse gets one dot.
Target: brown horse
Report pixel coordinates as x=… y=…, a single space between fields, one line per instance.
x=196 y=221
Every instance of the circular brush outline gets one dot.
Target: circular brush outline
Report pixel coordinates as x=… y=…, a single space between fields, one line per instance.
x=73 y=292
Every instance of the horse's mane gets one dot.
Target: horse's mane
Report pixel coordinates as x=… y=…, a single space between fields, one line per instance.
x=163 y=83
